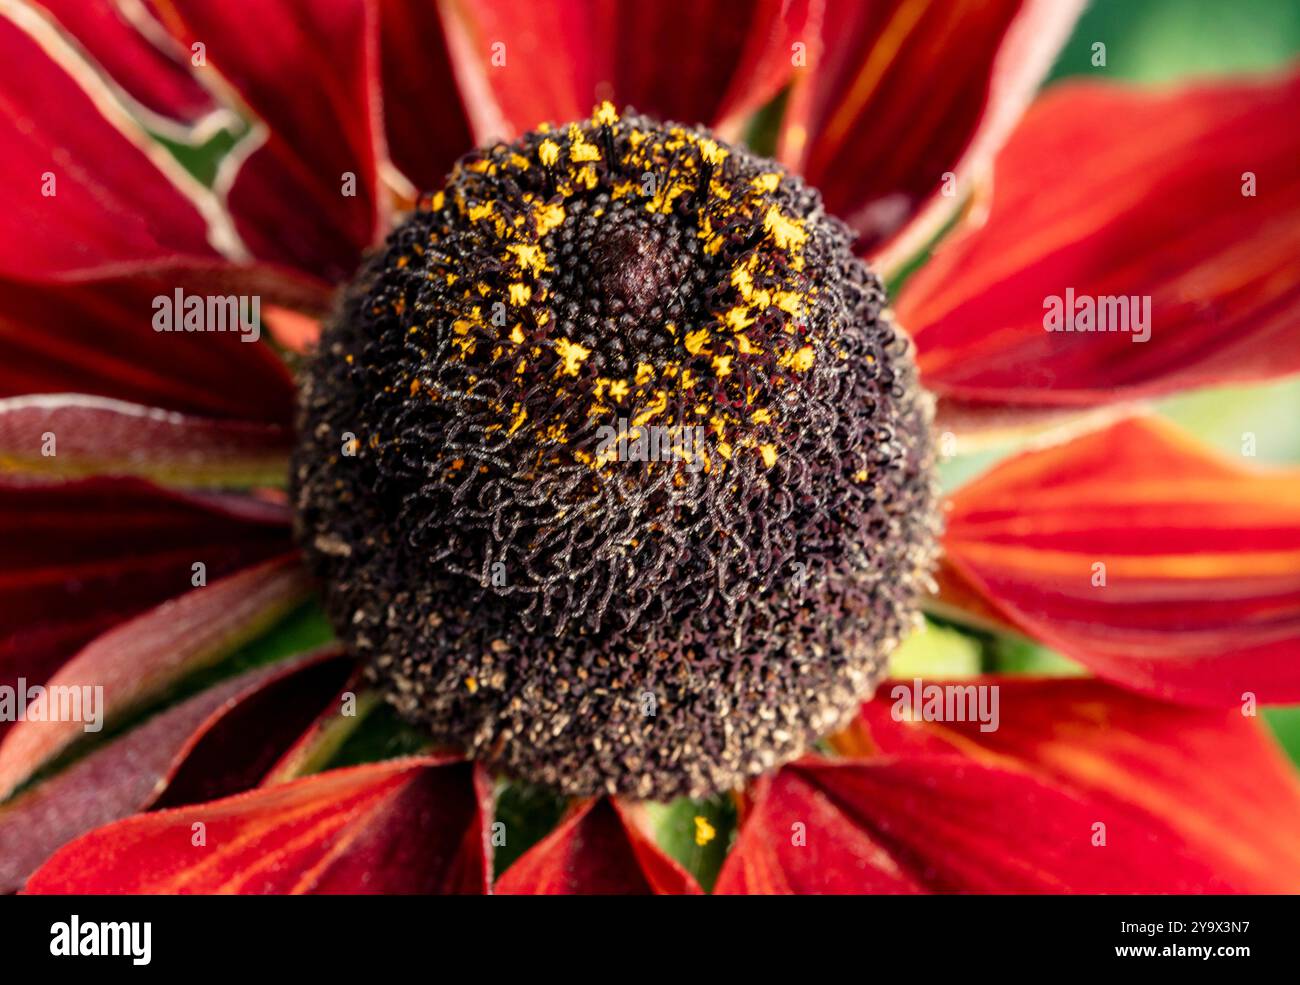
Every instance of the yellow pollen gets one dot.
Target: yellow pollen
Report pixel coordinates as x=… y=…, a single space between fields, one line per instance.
x=530 y=257
x=605 y=114
x=704 y=831
x=548 y=152
x=711 y=152
x=695 y=341
x=548 y=217
x=521 y=414
x=571 y=355
x=803 y=359
x=788 y=233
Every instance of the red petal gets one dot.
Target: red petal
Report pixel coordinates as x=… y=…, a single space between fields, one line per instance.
x=81 y=557
x=562 y=58
x=142 y=658
x=316 y=745
x=1201 y=601
x=1214 y=776
x=98 y=338
x=1162 y=217
x=98 y=436
x=597 y=849
x=945 y=823
x=402 y=826
x=426 y=123
x=225 y=733
x=131 y=48
x=119 y=200
x=897 y=94
x=308 y=71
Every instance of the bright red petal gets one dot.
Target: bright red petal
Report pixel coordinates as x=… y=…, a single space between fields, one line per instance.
x=403 y=826
x=897 y=94
x=98 y=338
x=140 y=659
x=1214 y=776
x=597 y=849
x=946 y=823
x=555 y=61
x=85 y=189
x=1200 y=560
x=1164 y=217
x=216 y=743
x=309 y=72
x=132 y=49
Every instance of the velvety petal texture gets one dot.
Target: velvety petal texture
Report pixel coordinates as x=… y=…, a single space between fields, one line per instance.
x=1070 y=786
x=131 y=49
x=870 y=127
x=1140 y=554
x=945 y=823
x=81 y=557
x=73 y=435
x=99 y=338
x=424 y=116
x=217 y=742
x=693 y=61
x=402 y=826
x=1216 y=777
x=598 y=849
x=1182 y=206
x=85 y=190
x=139 y=660
x=304 y=188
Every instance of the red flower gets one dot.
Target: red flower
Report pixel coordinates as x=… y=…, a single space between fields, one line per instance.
x=210 y=776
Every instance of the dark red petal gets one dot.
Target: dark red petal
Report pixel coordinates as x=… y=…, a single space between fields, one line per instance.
x=402 y=826
x=1215 y=776
x=316 y=745
x=555 y=61
x=898 y=94
x=239 y=751
x=946 y=823
x=98 y=338
x=140 y=659
x=1162 y=217
x=217 y=742
x=426 y=122
x=1201 y=601
x=84 y=189
x=80 y=557
x=596 y=849
x=73 y=435
x=309 y=73
x=130 y=47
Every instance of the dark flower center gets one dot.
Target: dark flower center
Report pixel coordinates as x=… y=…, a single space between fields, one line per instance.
x=614 y=468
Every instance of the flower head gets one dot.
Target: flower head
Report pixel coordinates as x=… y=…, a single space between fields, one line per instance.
x=659 y=613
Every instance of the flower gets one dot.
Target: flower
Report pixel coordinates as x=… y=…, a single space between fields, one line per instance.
x=176 y=737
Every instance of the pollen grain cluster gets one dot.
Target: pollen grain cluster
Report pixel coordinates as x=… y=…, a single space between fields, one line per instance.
x=613 y=466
